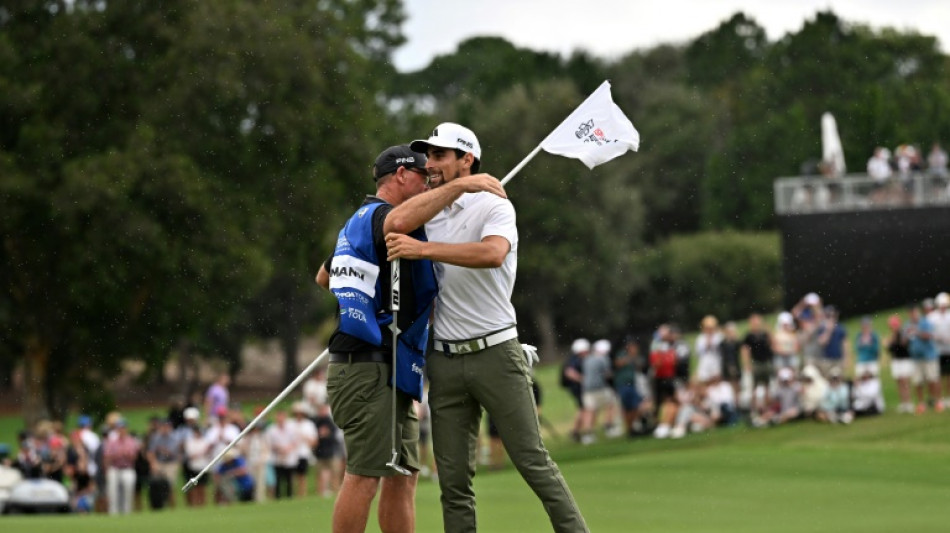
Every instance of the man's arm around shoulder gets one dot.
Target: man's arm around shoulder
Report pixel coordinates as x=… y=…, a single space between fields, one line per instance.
x=418 y=210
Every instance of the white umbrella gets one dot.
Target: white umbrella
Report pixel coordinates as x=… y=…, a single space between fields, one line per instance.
x=832 y=154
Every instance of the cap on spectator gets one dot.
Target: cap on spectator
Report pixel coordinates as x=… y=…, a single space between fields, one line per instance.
x=450 y=135
x=785 y=374
x=121 y=423
x=390 y=159
x=299 y=407
x=812 y=299
x=786 y=319
x=866 y=319
x=232 y=454
x=84 y=421
x=834 y=373
x=580 y=346
x=943 y=300
x=192 y=413
x=928 y=303
x=601 y=347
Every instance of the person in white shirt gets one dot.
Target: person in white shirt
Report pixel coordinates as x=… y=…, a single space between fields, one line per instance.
x=709 y=358
x=315 y=391
x=306 y=439
x=940 y=320
x=282 y=438
x=477 y=361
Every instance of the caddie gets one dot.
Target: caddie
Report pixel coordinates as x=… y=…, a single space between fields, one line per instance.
x=361 y=347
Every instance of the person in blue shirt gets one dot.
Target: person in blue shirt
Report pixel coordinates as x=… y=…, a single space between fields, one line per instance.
x=234 y=479
x=867 y=347
x=833 y=339
x=923 y=351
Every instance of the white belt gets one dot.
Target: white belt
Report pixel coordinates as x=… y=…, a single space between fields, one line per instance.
x=475 y=345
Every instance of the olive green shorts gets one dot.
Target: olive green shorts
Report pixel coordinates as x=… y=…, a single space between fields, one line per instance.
x=361 y=405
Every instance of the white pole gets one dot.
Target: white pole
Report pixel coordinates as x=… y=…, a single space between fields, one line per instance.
x=521 y=165
x=290 y=388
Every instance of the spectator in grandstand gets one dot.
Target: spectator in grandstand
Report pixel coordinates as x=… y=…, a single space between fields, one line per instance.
x=757 y=359
x=814 y=387
x=571 y=378
x=867 y=347
x=939 y=318
x=836 y=404
x=867 y=398
x=730 y=348
x=708 y=353
x=833 y=339
x=597 y=394
x=785 y=345
x=923 y=351
x=879 y=168
x=902 y=366
x=937 y=162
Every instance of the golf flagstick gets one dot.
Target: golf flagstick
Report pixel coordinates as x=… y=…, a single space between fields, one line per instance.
x=290 y=388
x=394 y=286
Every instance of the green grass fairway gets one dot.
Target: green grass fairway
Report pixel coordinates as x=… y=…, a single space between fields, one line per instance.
x=883 y=475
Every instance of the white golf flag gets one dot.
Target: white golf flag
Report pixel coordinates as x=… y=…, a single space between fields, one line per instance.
x=596 y=132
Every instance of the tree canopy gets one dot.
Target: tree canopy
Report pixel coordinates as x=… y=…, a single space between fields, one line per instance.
x=172 y=173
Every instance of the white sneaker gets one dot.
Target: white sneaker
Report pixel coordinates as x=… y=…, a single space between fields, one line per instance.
x=662 y=431
x=678 y=432
x=614 y=431
x=587 y=439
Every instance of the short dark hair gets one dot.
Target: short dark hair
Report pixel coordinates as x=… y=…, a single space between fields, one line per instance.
x=475 y=164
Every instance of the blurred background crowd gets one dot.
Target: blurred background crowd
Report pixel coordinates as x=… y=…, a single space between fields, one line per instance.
x=804 y=366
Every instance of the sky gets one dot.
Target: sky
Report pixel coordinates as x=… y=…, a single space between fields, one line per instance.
x=611 y=28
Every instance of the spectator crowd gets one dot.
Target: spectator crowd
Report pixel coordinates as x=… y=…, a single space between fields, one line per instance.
x=805 y=366
x=112 y=469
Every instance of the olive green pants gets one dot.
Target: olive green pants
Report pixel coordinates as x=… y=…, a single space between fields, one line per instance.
x=498 y=380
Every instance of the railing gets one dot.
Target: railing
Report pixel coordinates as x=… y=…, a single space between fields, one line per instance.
x=858 y=192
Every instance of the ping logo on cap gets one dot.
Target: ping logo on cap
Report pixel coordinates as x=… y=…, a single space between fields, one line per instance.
x=463 y=142
x=401 y=160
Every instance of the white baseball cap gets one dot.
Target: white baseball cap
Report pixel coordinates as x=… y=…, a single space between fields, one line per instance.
x=943 y=300
x=191 y=413
x=602 y=347
x=450 y=135
x=785 y=374
x=812 y=299
x=580 y=346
